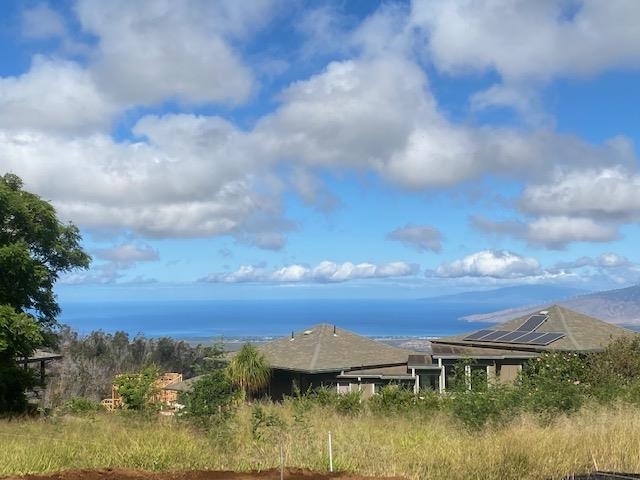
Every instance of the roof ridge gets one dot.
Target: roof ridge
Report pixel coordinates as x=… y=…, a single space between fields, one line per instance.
x=566 y=328
x=316 y=353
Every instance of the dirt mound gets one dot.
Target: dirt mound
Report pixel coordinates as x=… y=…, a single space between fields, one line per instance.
x=109 y=474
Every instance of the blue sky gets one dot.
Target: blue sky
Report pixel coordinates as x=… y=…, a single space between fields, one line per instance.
x=293 y=149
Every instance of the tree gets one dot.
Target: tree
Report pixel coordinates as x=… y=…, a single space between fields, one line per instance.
x=19 y=335
x=35 y=248
x=211 y=397
x=249 y=370
x=137 y=389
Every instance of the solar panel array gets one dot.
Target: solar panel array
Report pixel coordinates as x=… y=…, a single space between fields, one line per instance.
x=515 y=336
x=524 y=335
x=533 y=322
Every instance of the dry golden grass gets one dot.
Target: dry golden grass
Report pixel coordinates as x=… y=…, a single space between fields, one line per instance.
x=433 y=447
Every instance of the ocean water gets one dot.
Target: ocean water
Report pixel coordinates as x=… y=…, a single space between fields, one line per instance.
x=263 y=319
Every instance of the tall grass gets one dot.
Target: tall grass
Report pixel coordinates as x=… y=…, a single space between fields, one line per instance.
x=433 y=447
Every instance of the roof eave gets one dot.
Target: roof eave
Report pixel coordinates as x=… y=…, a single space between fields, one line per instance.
x=380 y=377
x=336 y=369
x=493 y=346
x=485 y=357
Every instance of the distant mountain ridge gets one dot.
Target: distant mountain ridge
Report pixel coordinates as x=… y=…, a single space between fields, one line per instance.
x=515 y=296
x=620 y=306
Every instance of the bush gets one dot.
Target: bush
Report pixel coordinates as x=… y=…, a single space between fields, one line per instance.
x=81 y=405
x=554 y=383
x=429 y=401
x=211 y=399
x=265 y=425
x=349 y=403
x=136 y=389
x=14 y=380
x=324 y=396
x=393 y=399
x=476 y=408
x=475 y=403
x=615 y=369
x=19 y=336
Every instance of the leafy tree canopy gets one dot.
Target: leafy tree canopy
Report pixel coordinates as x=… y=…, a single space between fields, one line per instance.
x=35 y=247
x=212 y=395
x=137 y=389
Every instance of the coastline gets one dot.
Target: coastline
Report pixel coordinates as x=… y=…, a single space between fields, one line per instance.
x=420 y=344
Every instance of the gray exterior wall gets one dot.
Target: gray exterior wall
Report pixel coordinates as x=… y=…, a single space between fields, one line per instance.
x=507 y=373
x=283 y=382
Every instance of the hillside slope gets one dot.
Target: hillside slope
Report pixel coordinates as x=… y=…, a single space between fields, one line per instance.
x=621 y=306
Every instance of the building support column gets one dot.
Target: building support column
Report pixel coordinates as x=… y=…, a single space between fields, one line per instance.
x=491 y=375
x=441 y=380
x=467 y=376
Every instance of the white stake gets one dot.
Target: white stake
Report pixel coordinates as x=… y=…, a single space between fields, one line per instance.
x=330 y=454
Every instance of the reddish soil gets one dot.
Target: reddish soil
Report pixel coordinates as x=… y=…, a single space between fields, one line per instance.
x=274 y=474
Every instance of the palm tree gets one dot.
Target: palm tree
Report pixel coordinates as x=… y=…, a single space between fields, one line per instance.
x=249 y=370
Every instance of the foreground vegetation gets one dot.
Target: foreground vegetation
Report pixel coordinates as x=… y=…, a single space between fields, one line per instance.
x=566 y=414
x=429 y=445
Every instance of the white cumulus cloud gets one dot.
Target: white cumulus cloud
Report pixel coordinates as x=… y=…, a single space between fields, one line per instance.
x=325 y=272
x=128 y=253
x=520 y=38
x=528 y=43
x=553 y=231
x=490 y=263
x=151 y=50
x=606 y=193
x=54 y=96
x=558 y=231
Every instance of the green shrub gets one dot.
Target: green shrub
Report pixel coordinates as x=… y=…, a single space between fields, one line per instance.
x=349 y=403
x=136 y=389
x=264 y=424
x=81 y=405
x=617 y=366
x=475 y=408
x=325 y=396
x=393 y=399
x=429 y=401
x=554 y=383
x=472 y=401
x=211 y=400
x=554 y=398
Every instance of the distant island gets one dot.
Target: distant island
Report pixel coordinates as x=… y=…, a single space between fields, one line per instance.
x=620 y=306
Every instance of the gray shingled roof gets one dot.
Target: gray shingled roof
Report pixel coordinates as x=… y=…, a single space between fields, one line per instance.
x=582 y=332
x=319 y=349
x=183 y=386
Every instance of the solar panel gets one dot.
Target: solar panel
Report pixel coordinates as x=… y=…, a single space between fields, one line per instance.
x=511 y=337
x=548 y=338
x=494 y=336
x=533 y=322
x=477 y=335
x=518 y=337
x=530 y=337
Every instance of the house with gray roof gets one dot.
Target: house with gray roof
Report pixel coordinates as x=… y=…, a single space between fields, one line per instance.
x=324 y=355
x=502 y=350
